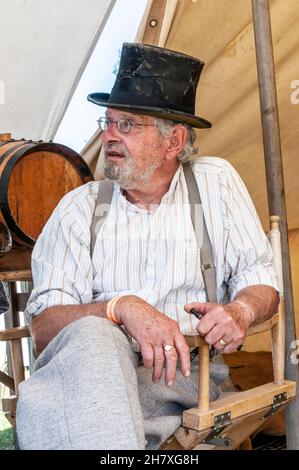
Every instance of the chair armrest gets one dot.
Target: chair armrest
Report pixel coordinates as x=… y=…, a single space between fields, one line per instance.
x=193 y=339
x=266 y=325
x=14 y=333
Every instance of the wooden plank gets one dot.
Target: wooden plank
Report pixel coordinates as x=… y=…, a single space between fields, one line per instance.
x=238 y=432
x=16 y=265
x=154 y=23
x=9 y=405
x=278 y=345
x=238 y=404
x=184 y=439
x=171 y=444
x=17 y=362
x=7 y=380
x=22 y=275
x=14 y=333
x=278 y=331
x=171 y=6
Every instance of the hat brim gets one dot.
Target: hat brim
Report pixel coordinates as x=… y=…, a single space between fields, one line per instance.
x=102 y=99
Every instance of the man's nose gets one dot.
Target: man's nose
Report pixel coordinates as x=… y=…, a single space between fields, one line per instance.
x=111 y=134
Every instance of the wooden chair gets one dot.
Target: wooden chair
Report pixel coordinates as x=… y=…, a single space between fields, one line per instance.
x=227 y=422
x=15 y=266
x=224 y=423
x=14 y=335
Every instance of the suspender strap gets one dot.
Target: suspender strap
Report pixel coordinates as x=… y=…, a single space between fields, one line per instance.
x=101 y=210
x=202 y=236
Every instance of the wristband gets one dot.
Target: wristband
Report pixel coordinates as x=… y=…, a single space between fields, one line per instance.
x=110 y=314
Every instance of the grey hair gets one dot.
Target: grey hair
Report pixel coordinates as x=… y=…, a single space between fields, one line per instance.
x=189 y=150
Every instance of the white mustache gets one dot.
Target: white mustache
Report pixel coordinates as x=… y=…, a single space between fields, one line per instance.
x=121 y=149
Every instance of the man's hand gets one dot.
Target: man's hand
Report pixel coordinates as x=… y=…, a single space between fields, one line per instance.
x=228 y=323
x=223 y=326
x=153 y=331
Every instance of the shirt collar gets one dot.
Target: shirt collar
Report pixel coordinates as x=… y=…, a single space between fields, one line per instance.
x=169 y=195
x=166 y=199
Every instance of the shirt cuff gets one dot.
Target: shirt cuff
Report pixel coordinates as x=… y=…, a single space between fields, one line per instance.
x=257 y=275
x=54 y=297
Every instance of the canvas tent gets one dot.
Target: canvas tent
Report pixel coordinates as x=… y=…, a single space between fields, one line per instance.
x=40 y=35
x=44 y=51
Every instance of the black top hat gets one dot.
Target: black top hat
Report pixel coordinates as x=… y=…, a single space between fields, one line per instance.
x=155 y=81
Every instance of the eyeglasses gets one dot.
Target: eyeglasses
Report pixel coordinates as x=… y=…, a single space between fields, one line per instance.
x=124 y=125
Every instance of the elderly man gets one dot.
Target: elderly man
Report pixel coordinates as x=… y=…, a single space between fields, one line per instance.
x=108 y=316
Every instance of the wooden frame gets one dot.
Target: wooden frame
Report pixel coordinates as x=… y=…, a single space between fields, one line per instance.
x=251 y=406
x=14 y=335
x=15 y=266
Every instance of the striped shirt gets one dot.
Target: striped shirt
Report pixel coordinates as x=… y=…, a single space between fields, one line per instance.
x=153 y=255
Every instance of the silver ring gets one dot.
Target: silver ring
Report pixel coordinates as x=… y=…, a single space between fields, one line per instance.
x=223 y=343
x=167 y=347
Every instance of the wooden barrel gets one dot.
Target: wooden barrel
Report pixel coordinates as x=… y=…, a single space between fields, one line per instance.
x=34 y=176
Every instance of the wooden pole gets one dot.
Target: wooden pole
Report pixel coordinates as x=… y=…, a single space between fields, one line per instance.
x=275 y=188
x=204 y=378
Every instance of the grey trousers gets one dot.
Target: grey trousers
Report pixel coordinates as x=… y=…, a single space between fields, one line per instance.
x=89 y=392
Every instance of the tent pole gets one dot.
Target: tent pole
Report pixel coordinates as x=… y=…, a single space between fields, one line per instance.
x=275 y=188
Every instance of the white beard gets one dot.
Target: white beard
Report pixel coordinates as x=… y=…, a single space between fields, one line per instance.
x=128 y=175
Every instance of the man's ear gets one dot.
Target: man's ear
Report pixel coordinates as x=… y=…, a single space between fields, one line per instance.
x=177 y=141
